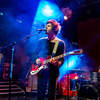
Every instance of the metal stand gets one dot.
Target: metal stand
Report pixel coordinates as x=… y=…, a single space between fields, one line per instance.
x=12 y=45
x=68 y=79
x=10 y=78
x=68 y=76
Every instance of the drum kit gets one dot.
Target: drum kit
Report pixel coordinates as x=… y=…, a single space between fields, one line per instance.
x=76 y=84
x=85 y=88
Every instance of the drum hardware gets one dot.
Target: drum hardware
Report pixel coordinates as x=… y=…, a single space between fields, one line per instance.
x=89 y=92
x=81 y=79
x=98 y=77
x=78 y=71
x=94 y=77
x=86 y=89
x=64 y=86
x=75 y=84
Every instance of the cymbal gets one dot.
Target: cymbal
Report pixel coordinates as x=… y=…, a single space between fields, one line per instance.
x=77 y=71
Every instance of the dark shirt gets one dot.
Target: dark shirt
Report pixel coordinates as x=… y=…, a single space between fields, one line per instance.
x=44 y=48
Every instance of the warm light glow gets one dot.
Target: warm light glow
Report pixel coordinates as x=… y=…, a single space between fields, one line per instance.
x=65 y=17
x=76 y=77
x=67 y=12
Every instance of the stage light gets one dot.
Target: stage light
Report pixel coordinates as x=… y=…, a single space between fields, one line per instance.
x=67 y=12
x=1 y=13
x=47 y=10
x=19 y=21
x=76 y=77
x=65 y=17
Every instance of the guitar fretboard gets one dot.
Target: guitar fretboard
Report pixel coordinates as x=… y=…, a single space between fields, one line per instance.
x=58 y=57
x=75 y=52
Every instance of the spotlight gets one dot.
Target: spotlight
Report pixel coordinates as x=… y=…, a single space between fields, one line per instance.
x=47 y=10
x=65 y=17
x=1 y=13
x=76 y=77
x=67 y=12
x=19 y=21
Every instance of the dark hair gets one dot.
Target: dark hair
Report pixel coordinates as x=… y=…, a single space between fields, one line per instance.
x=56 y=26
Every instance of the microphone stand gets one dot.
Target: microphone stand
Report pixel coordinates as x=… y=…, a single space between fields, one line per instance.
x=11 y=69
x=11 y=72
x=68 y=77
x=12 y=45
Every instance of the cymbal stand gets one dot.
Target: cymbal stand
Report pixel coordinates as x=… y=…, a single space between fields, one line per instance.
x=68 y=76
x=68 y=80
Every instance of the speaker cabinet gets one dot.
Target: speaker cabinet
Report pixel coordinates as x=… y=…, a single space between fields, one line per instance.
x=32 y=82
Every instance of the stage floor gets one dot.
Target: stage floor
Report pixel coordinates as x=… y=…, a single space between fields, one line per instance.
x=34 y=97
x=28 y=98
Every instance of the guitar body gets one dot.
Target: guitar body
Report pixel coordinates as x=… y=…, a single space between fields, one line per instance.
x=36 y=68
x=44 y=62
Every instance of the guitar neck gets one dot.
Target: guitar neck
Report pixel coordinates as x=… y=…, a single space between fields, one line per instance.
x=75 y=52
x=63 y=55
x=57 y=57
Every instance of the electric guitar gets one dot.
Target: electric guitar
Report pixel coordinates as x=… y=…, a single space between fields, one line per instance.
x=44 y=61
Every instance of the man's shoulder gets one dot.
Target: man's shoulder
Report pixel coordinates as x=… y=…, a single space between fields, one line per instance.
x=58 y=39
x=44 y=38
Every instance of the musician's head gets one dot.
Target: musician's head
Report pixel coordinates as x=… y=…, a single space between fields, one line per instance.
x=52 y=25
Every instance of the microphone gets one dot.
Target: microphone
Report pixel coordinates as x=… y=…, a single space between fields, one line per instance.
x=41 y=29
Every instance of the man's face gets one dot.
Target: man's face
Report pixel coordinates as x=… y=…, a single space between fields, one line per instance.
x=49 y=28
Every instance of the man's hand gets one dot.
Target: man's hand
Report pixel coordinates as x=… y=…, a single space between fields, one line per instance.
x=53 y=61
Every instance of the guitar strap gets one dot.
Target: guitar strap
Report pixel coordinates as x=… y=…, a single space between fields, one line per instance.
x=55 y=48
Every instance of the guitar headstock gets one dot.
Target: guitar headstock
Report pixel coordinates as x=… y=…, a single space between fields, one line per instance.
x=78 y=51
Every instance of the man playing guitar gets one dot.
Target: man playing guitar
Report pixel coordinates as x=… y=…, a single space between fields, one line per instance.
x=44 y=49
